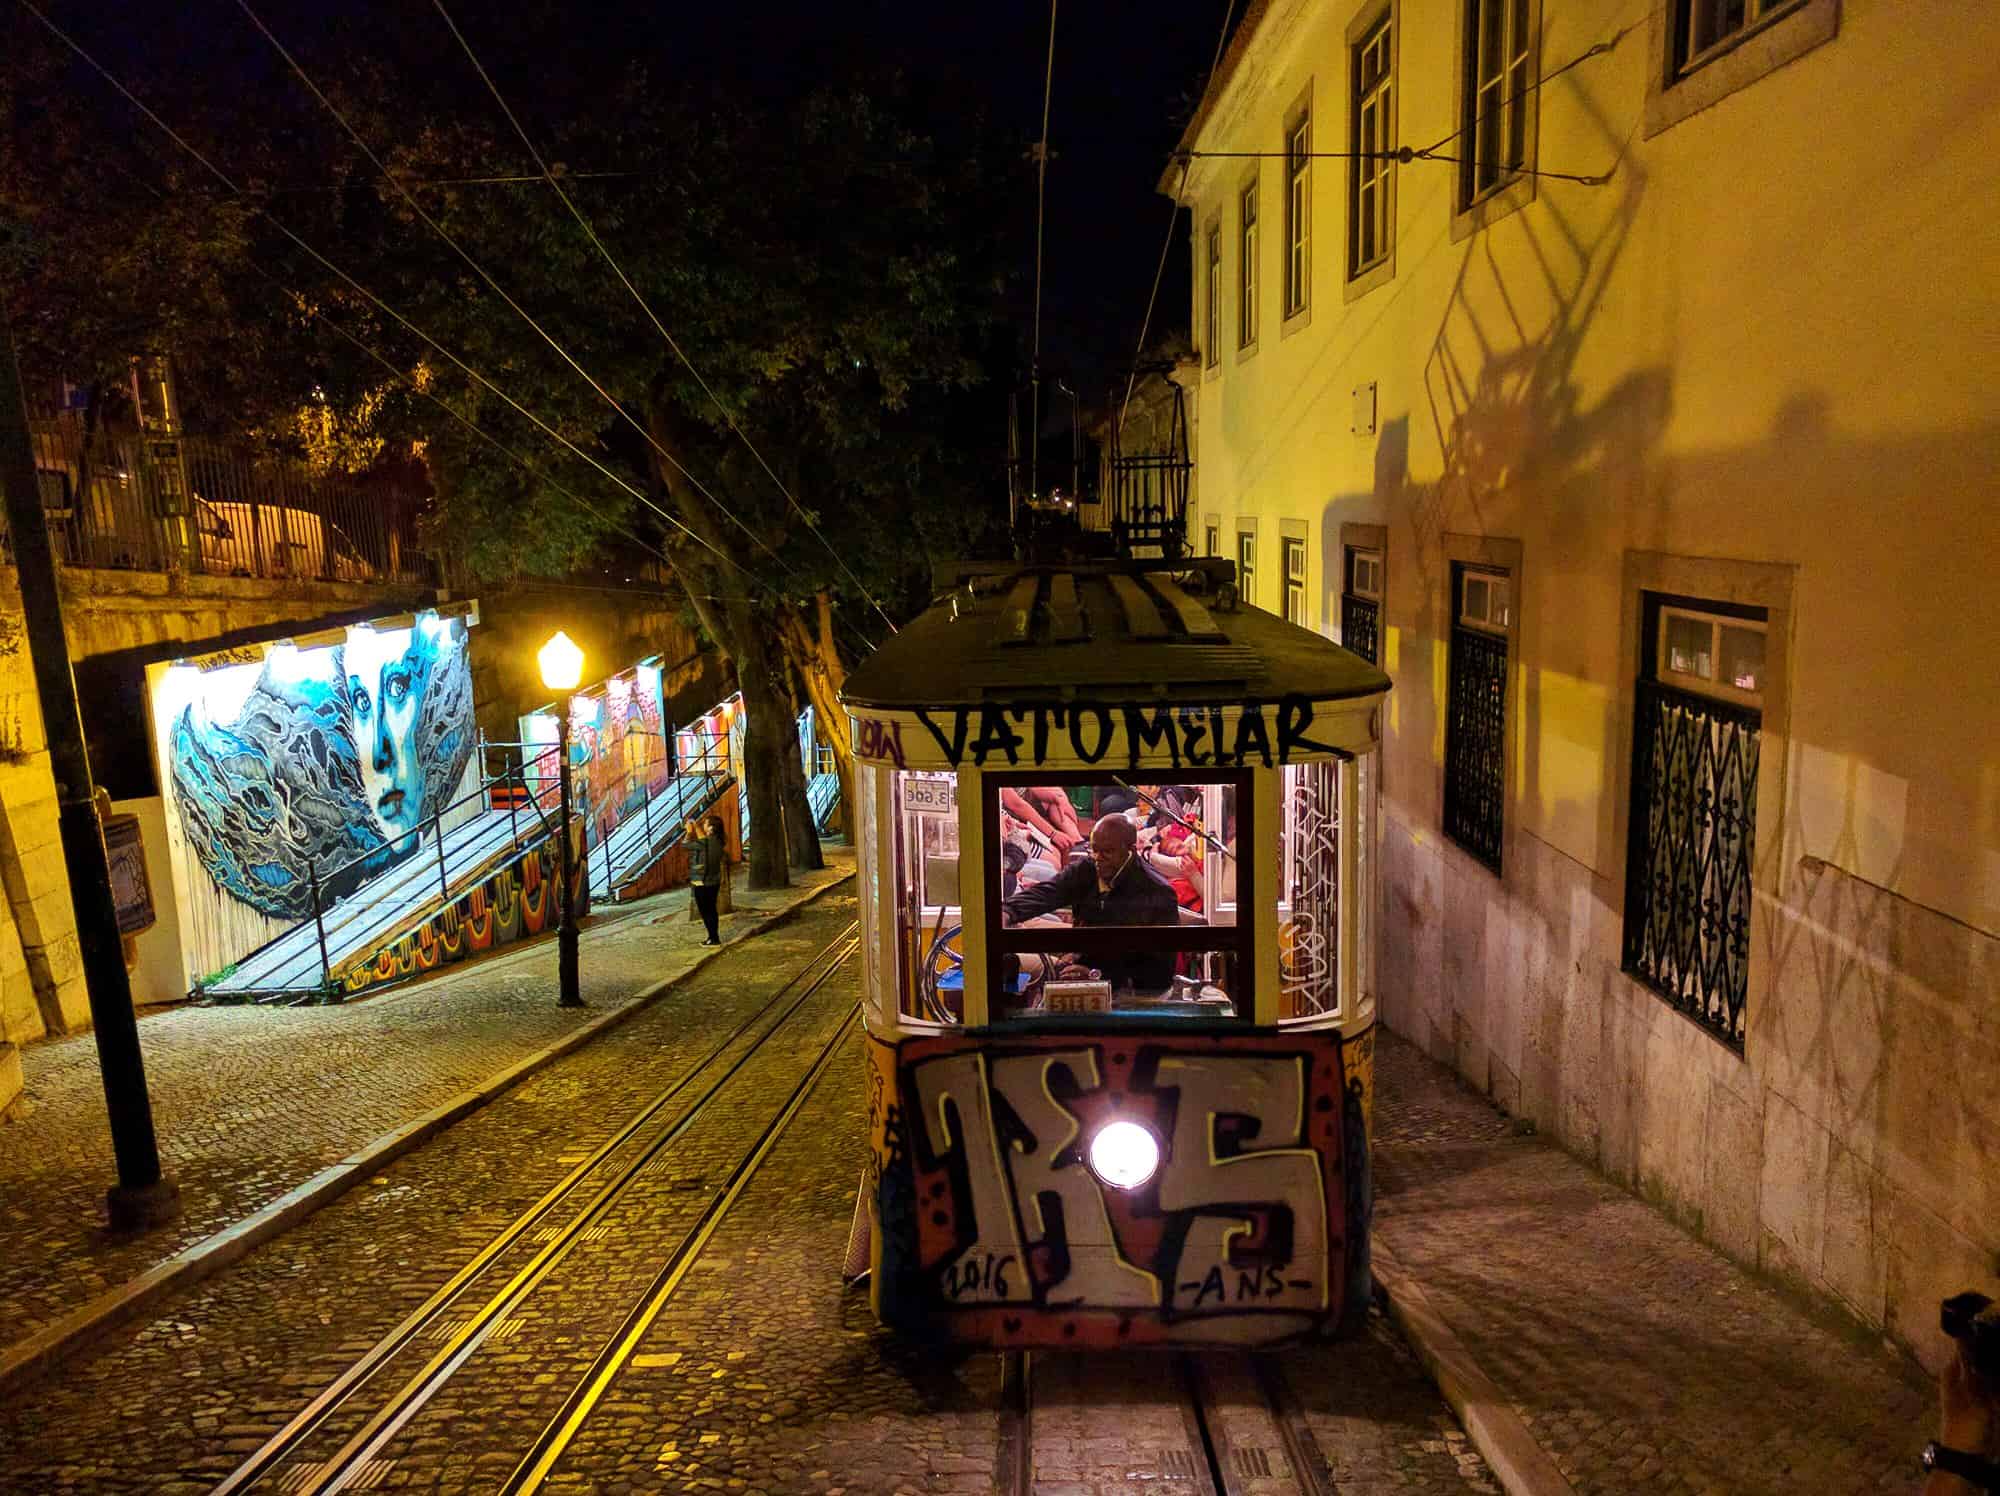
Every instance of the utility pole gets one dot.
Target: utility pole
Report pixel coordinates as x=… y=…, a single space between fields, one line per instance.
x=142 y=1197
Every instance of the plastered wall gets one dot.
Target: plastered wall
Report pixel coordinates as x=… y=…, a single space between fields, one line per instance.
x=1762 y=355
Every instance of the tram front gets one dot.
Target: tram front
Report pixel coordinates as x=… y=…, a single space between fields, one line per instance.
x=1117 y=843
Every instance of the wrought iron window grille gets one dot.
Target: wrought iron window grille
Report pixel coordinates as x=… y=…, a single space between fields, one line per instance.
x=1688 y=882
x=1360 y=626
x=1475 y=756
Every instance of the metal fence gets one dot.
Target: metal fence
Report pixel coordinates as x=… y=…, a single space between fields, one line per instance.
x=129 y=501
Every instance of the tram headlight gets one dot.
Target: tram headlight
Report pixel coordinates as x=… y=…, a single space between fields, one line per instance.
x=1124 y=1155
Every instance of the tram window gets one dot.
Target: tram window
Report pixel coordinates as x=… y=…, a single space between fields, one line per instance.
x=1113 y=896
x=1309 y=892
x=929 y=923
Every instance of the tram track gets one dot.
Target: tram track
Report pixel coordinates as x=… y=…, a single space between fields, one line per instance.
x=638 y=1147
x=1209 y=1423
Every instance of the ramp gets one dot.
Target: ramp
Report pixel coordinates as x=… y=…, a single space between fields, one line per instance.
x=425 y=889
x=645 y=836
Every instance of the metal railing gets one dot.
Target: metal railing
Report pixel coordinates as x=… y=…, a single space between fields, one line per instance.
x=123 y=500
x=318 y=879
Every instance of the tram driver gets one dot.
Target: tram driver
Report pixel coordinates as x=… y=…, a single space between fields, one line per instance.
x=1113 y=886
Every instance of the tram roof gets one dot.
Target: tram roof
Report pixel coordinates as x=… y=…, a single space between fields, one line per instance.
x=1123 y=631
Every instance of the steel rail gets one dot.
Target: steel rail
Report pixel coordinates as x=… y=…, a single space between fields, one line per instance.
x=409 y=1400
x=563 y=1428
x=1217 y=1466
x=336 y=1395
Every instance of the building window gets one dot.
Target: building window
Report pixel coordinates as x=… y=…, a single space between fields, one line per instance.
x=1246 y=278
x=1475 y=757
x=1498 y=106
x=1298 y=214
x=1246 y=565
x=1214 y=294
x=1371 y=213
x=1697 y=730
x=1704 y=29
x=1361 y=604
x=1295 y=581
x=1213 y=538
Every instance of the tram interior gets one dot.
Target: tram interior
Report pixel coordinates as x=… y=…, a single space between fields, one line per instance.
x=1139 y=917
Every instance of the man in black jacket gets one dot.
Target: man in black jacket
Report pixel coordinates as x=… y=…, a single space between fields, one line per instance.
x=1111 y=887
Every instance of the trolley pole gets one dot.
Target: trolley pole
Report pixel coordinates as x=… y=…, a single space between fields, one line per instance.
x=566 y=934
x=142 y=1197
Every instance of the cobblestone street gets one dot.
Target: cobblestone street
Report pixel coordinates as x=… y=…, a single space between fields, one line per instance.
x=760 y=1373
x=250 y=1101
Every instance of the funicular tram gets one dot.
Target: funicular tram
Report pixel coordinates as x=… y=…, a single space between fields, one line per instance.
x=1117 y=848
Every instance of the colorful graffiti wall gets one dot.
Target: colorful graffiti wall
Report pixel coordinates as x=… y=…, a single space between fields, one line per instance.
x=989 y=1227
x=285 y=761
x=517 y=901
x=618 y=746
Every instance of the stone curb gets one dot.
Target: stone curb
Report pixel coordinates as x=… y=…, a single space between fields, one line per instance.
x=40 y=1353
x=1522 y=1466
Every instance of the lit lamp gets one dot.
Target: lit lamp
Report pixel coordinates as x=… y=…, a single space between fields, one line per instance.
x=562 y=671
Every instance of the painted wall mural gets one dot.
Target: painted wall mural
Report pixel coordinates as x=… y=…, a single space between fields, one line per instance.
x=332 y=757
x=617 y=745
x=516 y=901
x=989 y=1227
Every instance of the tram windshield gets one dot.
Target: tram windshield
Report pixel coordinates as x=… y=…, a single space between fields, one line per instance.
x=1113 y=896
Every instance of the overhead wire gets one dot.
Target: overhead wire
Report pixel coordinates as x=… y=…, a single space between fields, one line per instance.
x=480 y=270
x=1041 y=210
x=369 y=295
x=1173 y=221
x=652 y=316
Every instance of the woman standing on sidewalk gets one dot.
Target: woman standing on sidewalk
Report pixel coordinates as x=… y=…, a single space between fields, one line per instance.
x=706 y=856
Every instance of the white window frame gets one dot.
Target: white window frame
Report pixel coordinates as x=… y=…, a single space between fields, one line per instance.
x=1372 y=107
x=1212 y=536
x=1212 y=355
x=1298 y=212
x=1295 y=580
x=1495 y=581
x=1246 y=565
x=1357 y=557
x=1246 y=274
x=1709 y=685
x=1497 y=102
x=1757 y=14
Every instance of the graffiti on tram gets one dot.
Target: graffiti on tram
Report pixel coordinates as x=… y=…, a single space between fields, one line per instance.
x=990 y=1224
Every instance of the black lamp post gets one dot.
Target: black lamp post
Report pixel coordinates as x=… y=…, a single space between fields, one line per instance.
x=562 y=669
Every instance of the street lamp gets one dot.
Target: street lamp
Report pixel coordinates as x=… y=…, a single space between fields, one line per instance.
x=562 y=670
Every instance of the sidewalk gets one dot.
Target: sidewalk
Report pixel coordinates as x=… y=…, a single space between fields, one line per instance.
x=1636 y=1357
x=251 y=1103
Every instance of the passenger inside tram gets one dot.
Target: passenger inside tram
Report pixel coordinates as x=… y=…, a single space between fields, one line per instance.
x=1147 y=859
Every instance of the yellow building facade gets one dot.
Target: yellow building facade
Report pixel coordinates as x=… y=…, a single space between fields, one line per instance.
x=1644 y=422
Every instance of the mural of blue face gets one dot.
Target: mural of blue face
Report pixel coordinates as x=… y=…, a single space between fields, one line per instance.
x=412 y=702
x=334 y=754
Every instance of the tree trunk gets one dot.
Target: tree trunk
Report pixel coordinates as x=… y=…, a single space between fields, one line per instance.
x=816 y=657
x=801 y=835
x=721 y=600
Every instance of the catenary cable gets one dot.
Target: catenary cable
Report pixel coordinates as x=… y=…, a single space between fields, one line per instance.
x=480 y=270
x=651 y=316
x=369 y=295
x=1173 y=219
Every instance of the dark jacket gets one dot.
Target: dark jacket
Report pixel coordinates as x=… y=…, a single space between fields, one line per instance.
x=1137 y=896
x=706 y=856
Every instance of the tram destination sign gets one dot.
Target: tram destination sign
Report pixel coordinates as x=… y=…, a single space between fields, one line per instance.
x=1210 y=735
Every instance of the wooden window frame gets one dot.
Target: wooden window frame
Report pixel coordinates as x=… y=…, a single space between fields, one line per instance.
x=1212 y=243
x=1679 y=85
